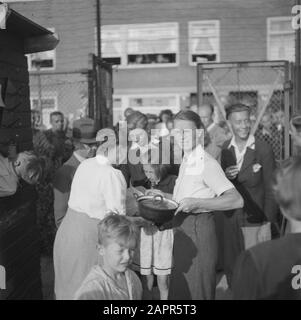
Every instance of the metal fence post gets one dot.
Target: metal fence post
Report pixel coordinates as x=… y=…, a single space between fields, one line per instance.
x=40 y=107
x=90 y=94
x=287 y=89
x=199 y=85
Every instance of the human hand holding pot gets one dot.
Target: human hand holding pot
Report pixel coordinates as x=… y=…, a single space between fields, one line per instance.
x=188 y=205
x=154 y=192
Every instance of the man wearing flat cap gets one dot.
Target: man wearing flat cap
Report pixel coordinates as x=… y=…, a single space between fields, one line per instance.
x=85 y=146
x=249 y=164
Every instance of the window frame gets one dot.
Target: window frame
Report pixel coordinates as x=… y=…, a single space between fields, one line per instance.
x=190 y=26
x=125 y=102
x=269 y=33
x=31 y=69
x=125 y=40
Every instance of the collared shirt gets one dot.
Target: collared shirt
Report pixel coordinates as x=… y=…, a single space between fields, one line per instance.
x=200 y=176
x=241 y=154
x=78 y=156
x=99 y=286
x=98 y=188
x=8 y=178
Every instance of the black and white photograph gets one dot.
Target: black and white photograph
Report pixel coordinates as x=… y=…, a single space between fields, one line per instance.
x=150 y=150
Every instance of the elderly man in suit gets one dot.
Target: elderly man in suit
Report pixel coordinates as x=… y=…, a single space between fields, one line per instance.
x=84 y=140
x=249 y=163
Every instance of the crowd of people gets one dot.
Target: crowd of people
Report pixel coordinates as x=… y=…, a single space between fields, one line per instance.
x=229 y=190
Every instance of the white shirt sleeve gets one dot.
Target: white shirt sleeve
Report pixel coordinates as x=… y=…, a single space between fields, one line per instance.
x=8 y=181
x=114 y=191
x=8 y=186
x=215 y=178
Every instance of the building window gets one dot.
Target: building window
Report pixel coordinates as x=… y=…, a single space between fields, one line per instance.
x=152 y=103
x=48 y=105
x=280 y=39
x=112 y=44
x=204 y=41
x=142 y=45
x=152 y=44
x=42 y=60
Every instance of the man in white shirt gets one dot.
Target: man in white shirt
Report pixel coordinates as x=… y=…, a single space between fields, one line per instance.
x=200 y=189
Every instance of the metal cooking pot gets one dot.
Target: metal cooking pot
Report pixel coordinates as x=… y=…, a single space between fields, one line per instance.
x=156 y=208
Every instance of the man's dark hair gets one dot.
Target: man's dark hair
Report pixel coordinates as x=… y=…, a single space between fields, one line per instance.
x=56 y=113
x=237 y=107
x=166 y=111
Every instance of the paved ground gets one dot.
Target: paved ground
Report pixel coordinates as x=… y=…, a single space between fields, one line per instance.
x=222 y=291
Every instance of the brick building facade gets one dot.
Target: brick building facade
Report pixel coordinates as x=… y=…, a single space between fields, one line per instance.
x=154 y=44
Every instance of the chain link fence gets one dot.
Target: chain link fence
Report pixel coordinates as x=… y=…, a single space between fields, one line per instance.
x=65 y=92
x=260 y=85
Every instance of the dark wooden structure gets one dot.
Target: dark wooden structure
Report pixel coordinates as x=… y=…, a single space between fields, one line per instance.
x=19 y=241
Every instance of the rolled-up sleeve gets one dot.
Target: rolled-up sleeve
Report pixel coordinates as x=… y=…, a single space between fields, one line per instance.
x=8 y=181
x=215 y=178
x=114 y=191
x=8 y=186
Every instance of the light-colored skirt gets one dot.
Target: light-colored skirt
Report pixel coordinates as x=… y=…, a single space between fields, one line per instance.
x=154 y=254
x=74 y=253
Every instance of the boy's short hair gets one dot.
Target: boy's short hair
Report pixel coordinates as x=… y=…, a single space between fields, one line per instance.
x=118 y=228
x=35 y=166
x=287 y=187
x=237 y=107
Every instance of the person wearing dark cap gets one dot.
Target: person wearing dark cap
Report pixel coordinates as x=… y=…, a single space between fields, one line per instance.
x=249 y=163
x=84 y=141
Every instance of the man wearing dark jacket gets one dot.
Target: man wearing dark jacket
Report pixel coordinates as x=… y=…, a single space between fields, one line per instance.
x=249 y=164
